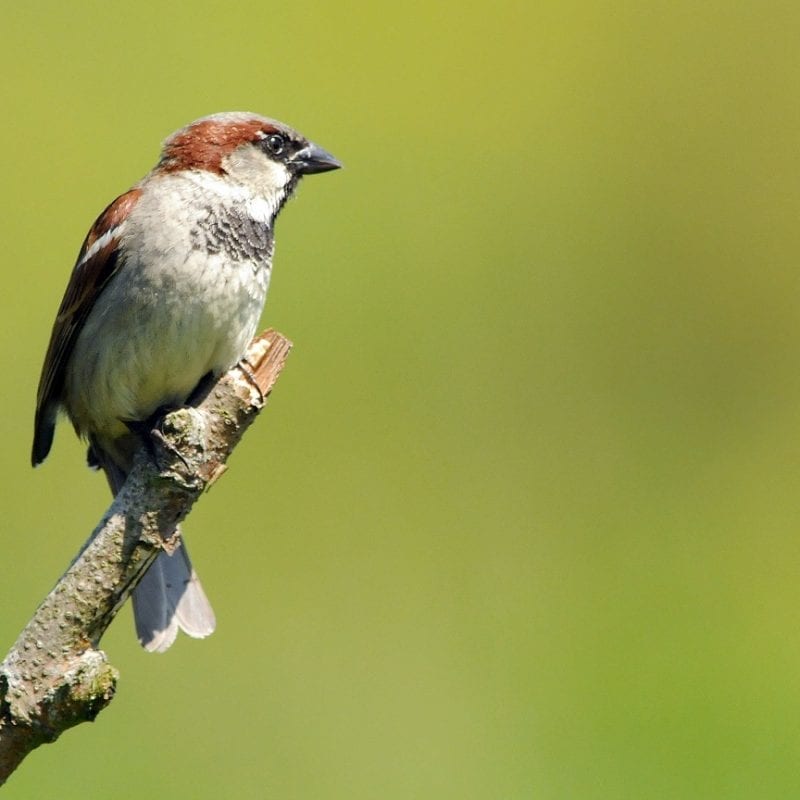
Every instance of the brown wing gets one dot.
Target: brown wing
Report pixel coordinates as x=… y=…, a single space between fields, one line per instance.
x=97 y=262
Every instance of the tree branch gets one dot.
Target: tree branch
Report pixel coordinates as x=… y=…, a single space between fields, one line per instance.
x=54 y=677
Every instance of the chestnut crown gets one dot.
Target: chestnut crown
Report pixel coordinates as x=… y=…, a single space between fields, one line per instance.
x=208 y=142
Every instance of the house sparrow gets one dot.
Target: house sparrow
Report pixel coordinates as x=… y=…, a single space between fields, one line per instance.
x=167 y=290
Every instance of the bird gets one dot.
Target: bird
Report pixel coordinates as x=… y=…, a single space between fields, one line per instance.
x=166 y=293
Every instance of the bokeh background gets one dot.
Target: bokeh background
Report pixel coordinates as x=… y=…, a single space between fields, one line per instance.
x=523 y=517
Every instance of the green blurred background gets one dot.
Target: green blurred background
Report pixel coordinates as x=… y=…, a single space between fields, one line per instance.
x=522 y=519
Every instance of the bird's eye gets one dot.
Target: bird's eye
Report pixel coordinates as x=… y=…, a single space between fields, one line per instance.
x=275 y=144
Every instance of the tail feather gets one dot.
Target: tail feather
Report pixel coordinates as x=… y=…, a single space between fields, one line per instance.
x=170 y=597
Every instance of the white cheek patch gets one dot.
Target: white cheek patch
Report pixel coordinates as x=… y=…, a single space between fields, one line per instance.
x=250 y=167
x=276 y=173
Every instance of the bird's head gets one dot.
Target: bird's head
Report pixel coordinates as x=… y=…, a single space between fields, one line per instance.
x=260 y=154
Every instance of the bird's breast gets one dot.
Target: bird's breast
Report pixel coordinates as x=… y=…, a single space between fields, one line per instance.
x=172 y=313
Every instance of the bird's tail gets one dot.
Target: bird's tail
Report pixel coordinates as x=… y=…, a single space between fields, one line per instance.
x=169 y=597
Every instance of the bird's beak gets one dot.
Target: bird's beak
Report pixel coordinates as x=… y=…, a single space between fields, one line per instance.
x=312 y=158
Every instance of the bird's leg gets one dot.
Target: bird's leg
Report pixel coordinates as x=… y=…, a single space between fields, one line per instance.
x=148 y=431
x=204 y=386
x=246 y=369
